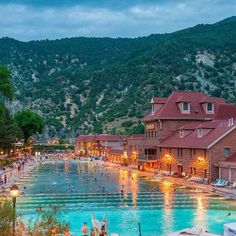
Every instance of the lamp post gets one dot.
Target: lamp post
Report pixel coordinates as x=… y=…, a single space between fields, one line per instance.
x=14 y=191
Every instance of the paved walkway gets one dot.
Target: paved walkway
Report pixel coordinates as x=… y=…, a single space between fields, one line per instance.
x=13 y=174
x=224 y=191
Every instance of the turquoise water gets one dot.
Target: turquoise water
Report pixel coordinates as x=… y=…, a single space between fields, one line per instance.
x=81 y=188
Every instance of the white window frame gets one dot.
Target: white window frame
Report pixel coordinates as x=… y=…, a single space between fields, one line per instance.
x=228 y=152
x=212 y=110
x=199 y=133
x=153 y=108
x=181 y=133
x=183 y=110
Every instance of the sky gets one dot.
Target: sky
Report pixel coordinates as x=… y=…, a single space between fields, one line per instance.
x=51 y=19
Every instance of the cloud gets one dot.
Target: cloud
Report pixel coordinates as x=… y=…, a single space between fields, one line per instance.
x=27 y=22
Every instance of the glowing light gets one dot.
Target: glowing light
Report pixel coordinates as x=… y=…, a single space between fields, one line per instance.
x=167 y=183
x=201 y=159
x=14 y=191
x=168 y=156
x=125 y=154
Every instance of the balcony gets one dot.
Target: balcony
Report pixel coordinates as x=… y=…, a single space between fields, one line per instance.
x=147 y=158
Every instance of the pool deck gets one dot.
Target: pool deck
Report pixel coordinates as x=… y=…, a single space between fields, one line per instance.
x=29 y=166
x=223 y=191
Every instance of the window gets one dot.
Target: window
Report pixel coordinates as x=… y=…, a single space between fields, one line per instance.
x=169 y=167
x=186 y=107
x=153 y=108
x=161 y=125
x=199 y=133
x=226 y=152
x=181 y=133
x=209 y=107
x=160 y=149
x=180 y=152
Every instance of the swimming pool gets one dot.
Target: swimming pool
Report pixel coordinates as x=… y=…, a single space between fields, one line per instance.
x=80 y=188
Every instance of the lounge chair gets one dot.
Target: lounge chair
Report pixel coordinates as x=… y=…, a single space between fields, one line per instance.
x=233 y=185
x=214 y=182
x=221 y=183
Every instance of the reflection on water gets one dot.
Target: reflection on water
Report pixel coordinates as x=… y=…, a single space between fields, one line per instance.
x=80 y=188
x=167 y=188
x=201 y=210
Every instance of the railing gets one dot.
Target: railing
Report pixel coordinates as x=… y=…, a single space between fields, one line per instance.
x=147 y=157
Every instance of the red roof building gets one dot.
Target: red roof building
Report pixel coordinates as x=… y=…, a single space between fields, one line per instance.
x=184 y=105
x=188 y=132
x=227 y=168
x=203 y=135
x=98 y=144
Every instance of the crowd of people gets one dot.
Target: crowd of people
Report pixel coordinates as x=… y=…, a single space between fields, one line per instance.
x=11 y=172
x=98 y=229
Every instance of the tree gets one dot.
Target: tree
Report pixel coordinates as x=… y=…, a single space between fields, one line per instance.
x=97 y=128
x=29 y=122
x=5 y=84
x=9 y=131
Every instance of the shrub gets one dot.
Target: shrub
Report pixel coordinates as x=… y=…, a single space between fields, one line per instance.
x=6 y=218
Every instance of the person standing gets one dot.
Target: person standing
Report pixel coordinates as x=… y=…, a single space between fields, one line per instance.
x=85 y=229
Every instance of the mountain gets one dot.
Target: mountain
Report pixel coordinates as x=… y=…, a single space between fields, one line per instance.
x=99 y=85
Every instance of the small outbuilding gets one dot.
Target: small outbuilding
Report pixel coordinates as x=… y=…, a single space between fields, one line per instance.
x=227 y=168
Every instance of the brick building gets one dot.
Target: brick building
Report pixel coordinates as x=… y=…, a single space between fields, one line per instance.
x=188 y=132
x=98 y=144
x=227 y=168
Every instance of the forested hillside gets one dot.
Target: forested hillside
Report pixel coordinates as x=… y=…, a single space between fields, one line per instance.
x=104 y=85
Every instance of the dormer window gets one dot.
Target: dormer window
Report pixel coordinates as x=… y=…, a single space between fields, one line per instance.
x=186 y=107
x=153 y=108
x=209 y=107
x=199 y=133
x=181 y=133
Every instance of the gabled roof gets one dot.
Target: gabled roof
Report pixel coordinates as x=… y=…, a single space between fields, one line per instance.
x=170 y=110
x=136 y=136
x=226 y=111
x=116 y=151
x=207 y=99
x=215 y=131
x=111 y=137
x=86 y=138
x=101 y=137
x=158 y=100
